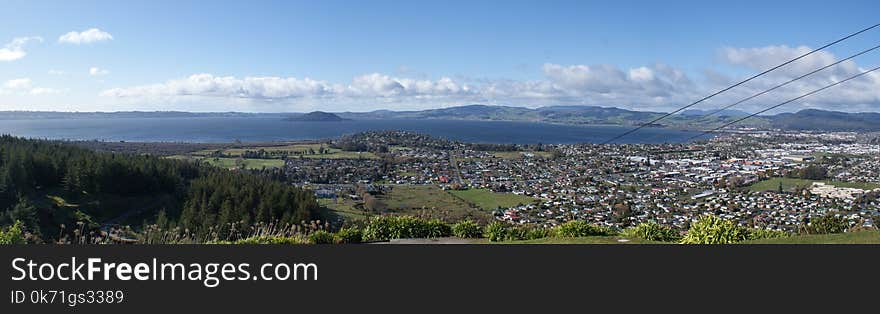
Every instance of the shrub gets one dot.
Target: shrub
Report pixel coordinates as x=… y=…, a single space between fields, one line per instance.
x=349 y=235
x=578 y=228
x=396 y=227
x=437 y=229
x=537 y=233
x=652 y=232
x=467 y=229
x=271 y=240
x=825 y=224
x=321 y=237
x=517 y=232
x=496 y=231
x=757 y=233
x=13 y=235
x=714 y=230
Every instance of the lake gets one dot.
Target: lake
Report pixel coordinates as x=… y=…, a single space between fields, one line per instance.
x=262 y=129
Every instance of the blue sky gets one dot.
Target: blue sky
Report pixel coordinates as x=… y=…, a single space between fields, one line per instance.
x=365 y=55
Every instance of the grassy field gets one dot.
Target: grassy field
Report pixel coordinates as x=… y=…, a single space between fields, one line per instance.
x=422 y=197
x=294 y=150
x=861 y=237
x=789 y=184
x=427 y=201
x=248 y=163
x=489 y=200
x=347 y=209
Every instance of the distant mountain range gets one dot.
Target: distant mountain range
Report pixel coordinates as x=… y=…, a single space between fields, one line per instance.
x=810 y=119
x=722 y=113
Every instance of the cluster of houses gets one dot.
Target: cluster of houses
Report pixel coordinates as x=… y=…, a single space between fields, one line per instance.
x=622 y=185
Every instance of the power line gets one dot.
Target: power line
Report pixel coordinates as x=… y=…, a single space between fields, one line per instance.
x=738 y=84
x=784 y=103
x=791 y=81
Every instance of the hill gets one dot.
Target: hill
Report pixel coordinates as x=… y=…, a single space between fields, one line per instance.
x=318 y=116
x=812 y=119
x=723 y=113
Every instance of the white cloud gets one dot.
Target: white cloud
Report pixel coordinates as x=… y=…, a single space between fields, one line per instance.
x=25 y=86
x=18 y=84
x=14 y=50
x=96 y=71
x=367 y=86
x=859 y=94
x=85 y=37
x=657 y=87
x=641 y=74
x=43 y=91
x=762 y=58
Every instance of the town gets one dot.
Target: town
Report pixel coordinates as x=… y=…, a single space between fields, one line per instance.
x=776 y=180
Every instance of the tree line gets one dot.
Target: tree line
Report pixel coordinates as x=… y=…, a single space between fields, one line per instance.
x=202 y=196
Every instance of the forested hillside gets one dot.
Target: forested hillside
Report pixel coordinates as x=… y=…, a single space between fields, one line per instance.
x=57 y=189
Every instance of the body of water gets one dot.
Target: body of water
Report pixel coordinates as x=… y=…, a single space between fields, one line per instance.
x=248 y=129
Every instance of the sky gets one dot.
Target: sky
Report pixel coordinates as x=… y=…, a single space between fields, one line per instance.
x=299 y=56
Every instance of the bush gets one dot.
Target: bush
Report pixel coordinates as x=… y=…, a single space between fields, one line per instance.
x=437 y=229
x=517 y=232
x=757 y=233
x=826 y=224
x=270 y=240
x=714 y=230
x=383 y=228
x=652 y=232
x=578 y=228
x=467 y=229
x=349 y=235
x=496 y=231
x=13 y=235
x=321 y=237
x=537 y=233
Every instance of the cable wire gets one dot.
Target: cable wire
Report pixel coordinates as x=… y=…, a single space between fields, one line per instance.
x=738 y=84
x=784 y=103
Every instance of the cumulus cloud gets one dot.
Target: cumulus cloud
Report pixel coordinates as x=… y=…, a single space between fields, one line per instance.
x=276 y=88
x=85 y=37
x=96 y=71
x=859 y=94
x=18 y=84
x=658 y=87
x=14 y=50
x=43 y=91
x=25 y=86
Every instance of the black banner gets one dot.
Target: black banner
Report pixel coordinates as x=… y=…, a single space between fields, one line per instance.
x=423 y=277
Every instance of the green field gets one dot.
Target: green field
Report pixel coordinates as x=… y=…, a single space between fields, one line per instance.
x=427 y=201
x=229 y=163
x=293 y=150
x=489 y=200
x=789 y=184
x=404 y=197
x=347 y=209
x=860 y=237
x=247 y=163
